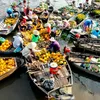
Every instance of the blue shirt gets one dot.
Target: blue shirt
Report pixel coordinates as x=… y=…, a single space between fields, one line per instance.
x=95 y=32
x=87 y=22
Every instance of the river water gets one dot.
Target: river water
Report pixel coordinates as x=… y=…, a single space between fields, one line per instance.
x=84 y=88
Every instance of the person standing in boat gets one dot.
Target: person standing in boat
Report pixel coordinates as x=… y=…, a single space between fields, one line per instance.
x=18 y=41
x=48 y=28
x=54 y=46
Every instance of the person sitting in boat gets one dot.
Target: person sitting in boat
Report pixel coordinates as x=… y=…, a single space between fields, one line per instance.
x=67 y=51
x=29 y=51
x=24 y=20
x=21 y=9
x=45 y=12
x=10 y=12
x=66 y=25
x=22 y=26
x=48 y=28
x=54 y=46
x=15 y=9
x=73 y=4
x=35 y=36
x=80 y=6
x=87 y=24
x=86 y=5
x=29 y=25
x=18 y=41
x=95 y=33
x=39 y=25
x=30 y=14
x=35 y=17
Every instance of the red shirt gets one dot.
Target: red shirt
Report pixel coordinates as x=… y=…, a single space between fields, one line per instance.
x=48 y=29
x=24 y=20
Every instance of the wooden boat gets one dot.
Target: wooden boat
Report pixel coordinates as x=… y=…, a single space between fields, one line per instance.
x=54 y=19
x=44 y=17
x=68 y=12
x=88 y=44
x=8 y=24
x=76 y=59
x=76 y=23
x=12 y=62
x=64 y=81
x=38 y=10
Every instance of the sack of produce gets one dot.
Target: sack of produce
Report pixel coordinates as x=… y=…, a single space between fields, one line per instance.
x=48 y=85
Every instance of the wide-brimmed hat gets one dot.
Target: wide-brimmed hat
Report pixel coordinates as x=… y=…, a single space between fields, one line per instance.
x=32 y=45
x=36 y=32
x=53 y=65
x=29 y=22
x=25 y=17
x=19 y=33
x=35 y=17
x=52 y=39
x=47 y=25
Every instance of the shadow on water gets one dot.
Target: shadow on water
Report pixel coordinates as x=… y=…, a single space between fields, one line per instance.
x=12 y=78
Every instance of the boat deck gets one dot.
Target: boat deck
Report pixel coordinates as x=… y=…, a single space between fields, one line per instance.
x=60 y=79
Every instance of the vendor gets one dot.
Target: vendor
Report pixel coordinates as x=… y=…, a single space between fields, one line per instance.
x=35 y=17
x=29 y=25
x=35 y=36
x=10 y=12
x=29 y=50
x=48 y=27
x=22 y=26
x=30 y=14
x=87 y=24
x=66 y=24
x=25 y=18
x=18 y=41
x=95 y=33
x=80 y=6
x=67 y=51
x=54 y=46
x=86 y=4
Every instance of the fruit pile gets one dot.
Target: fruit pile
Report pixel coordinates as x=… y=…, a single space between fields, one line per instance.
x=27 y=36
x=58 y=58
x=45 y=56
x=6 y=64
x=10 y=21
x=5 y=45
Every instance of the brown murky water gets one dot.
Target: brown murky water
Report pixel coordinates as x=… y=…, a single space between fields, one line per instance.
x=83 y=88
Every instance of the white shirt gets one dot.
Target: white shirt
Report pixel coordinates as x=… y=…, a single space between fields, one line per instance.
x=30 y=14
x=26 y=51
x=17 y=41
